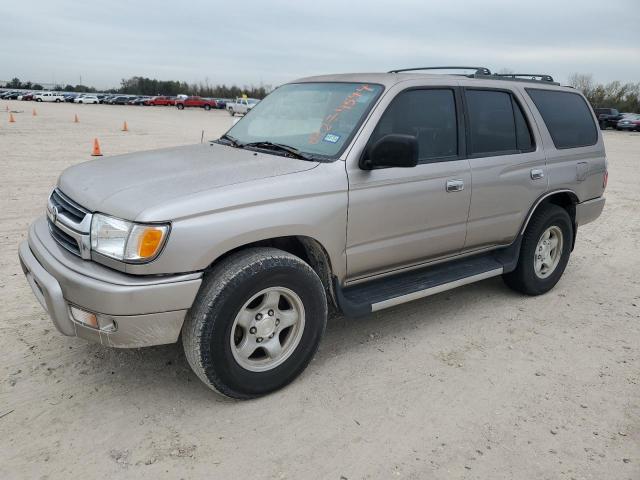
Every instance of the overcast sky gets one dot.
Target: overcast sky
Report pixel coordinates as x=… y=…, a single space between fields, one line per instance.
x=249 y=42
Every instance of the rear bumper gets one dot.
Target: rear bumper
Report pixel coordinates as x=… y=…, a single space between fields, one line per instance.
x=139 y=311
x=588 y=211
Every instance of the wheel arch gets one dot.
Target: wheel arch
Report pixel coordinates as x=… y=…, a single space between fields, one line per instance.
x=304 y=247
x=566 y=199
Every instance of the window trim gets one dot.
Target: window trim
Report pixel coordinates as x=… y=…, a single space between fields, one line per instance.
x=467 y=124
x=584 y=101
x=461 y=138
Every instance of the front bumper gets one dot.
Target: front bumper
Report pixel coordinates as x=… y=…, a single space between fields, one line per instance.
x=141 y=311
x=588 y=211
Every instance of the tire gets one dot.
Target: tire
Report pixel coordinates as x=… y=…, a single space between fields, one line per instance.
x=231 y=112
x=180 y=106
x=525 y=278
x=39 y=100
x=207 y=107
x=209 y=333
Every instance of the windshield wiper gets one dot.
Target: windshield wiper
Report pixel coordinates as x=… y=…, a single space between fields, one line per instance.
x=232 y=140
x=281 y=147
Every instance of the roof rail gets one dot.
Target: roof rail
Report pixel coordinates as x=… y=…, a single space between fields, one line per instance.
x=478 y=70
x=528 y=76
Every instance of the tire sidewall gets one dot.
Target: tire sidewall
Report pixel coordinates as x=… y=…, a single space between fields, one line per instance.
x=221 y=366
x=561 y=219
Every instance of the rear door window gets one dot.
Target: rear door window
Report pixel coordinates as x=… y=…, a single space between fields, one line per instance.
x=567 y=116
x=496 y=124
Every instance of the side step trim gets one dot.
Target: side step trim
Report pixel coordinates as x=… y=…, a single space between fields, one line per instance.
x=433 y=290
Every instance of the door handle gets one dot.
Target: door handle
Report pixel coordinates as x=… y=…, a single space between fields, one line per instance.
x=537 y=174
x=455 y=185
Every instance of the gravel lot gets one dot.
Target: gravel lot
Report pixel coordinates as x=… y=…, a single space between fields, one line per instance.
x=478 y=382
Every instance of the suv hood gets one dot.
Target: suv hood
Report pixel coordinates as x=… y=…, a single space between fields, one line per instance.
x=127 y=185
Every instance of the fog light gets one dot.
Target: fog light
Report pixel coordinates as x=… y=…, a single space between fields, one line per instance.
x=84 y=317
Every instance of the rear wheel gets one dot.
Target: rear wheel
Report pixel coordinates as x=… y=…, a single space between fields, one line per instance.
x=180 y=106
x=231 y=112
x=256 y=323
x=207 y=107
x=545 y=251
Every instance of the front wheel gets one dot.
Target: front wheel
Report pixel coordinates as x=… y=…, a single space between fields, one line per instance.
x=545 y=251
x=231 y=112
x=180 y=106
x=207 y=107
x=256 y=323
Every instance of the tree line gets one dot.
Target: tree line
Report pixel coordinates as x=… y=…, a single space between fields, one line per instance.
x=151 y=86
x=624 y=97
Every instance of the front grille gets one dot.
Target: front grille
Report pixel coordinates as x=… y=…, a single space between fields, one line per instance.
x=69 y=224
x=65 y=240
x=66 y=206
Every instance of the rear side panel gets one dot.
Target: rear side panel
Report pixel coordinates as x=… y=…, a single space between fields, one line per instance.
x=581 y=169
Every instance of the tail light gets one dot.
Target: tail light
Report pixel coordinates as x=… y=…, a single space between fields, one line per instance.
x=606 y=179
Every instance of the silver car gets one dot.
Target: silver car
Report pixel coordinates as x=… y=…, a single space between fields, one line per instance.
x=350 y=192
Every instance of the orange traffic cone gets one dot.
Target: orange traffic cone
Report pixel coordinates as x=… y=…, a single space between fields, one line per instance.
x=11 y=119
x=125 y=128
x=34 y=113
x=75 y=119
x=96 y=148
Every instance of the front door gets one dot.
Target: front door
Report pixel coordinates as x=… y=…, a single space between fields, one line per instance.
x=405 y=216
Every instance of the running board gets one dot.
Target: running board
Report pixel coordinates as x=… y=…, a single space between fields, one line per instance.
x=375 y=295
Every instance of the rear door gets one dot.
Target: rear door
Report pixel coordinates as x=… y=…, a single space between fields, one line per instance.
x=508 y=165
x=401 y=217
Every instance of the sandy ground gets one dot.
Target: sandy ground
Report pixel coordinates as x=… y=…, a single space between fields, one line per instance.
x=474 y=383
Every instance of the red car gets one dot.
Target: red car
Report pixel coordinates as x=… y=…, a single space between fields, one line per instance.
x=161 y=100
x=206 y=103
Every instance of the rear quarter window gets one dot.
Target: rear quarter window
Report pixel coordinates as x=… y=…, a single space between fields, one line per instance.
x=567 y=117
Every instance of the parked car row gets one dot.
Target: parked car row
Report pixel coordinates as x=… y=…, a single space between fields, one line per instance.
x=239 y=105
x=612 y=118
x=629 y=122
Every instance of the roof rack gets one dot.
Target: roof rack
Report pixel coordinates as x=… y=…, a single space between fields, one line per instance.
x=539 y=77
x=478 y=70
x=485 y=73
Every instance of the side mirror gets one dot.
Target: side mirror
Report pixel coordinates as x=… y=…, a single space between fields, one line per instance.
x=393 y=150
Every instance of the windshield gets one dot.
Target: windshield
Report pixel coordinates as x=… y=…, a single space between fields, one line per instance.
x=315 y=118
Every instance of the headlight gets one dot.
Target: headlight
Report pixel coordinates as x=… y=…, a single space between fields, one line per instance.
x=126 y=241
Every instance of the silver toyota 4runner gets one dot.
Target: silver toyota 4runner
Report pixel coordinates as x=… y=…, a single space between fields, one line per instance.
x=355 y=192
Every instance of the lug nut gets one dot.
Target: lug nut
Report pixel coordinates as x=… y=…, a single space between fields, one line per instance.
x=259 y=339
x=277 y=321
x=270 y=313
x=271 y=336
x=259 y=316
x=252 y=330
